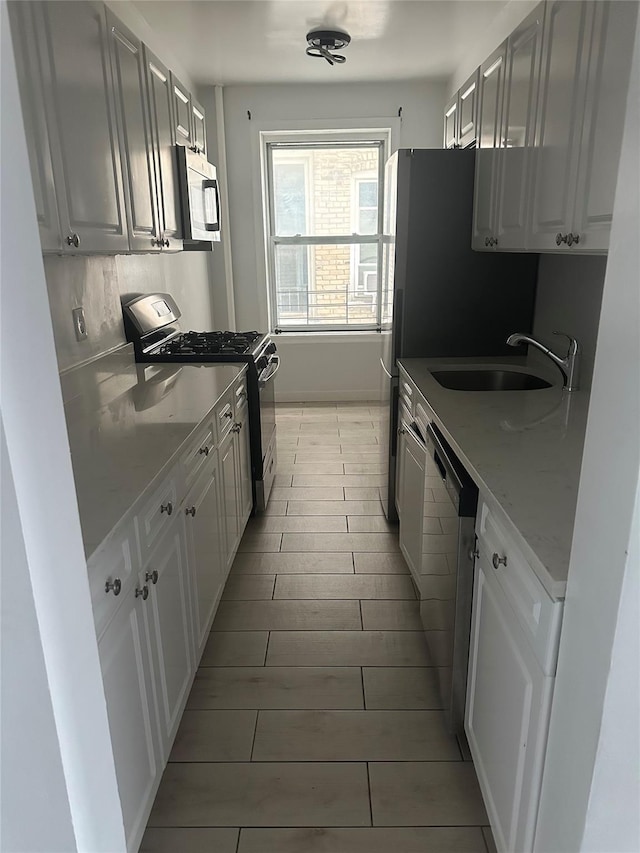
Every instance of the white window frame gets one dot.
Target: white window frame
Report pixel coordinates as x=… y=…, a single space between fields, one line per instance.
x=379 y=135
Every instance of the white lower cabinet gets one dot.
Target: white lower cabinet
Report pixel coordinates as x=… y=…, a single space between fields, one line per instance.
x=411 y=483
x=127 y=674
x=207 y=550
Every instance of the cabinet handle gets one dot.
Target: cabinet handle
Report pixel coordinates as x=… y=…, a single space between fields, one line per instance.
x=498 y=561
x=572 y=238
x=73 y=240
x=562 y=238
x=204 y=450
x=113 y=586
x=473 y=553
x=144 y=592
x=168 y=508
x=190 y=511
x=152 y=576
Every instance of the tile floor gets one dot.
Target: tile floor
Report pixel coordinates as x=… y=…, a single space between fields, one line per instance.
x=313 y=725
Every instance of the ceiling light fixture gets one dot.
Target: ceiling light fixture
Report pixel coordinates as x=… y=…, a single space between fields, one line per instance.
x=322 y=43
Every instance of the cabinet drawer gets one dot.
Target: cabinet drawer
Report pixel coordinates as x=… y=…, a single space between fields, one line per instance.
x=157 y=514
x=196 y=455
x=223 y=416
x=407 y=395
x=114 y=563
x=239 y=396
x=538 y=614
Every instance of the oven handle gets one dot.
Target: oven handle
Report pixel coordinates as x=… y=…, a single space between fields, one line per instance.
x=270 y=371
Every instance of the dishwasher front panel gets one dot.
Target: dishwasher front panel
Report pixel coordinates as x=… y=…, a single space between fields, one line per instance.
x=446 y=573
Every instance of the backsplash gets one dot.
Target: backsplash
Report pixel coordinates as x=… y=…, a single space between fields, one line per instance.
x=97 y=282
x=568 y=299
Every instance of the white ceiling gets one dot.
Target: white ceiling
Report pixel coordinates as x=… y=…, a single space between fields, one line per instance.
x=264 y=41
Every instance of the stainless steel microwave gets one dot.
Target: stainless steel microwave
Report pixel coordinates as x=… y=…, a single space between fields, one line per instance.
x=199 y=196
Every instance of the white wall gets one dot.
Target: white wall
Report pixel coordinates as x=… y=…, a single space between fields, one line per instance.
x=594 y=719
x=53 y=577
x=422 y=104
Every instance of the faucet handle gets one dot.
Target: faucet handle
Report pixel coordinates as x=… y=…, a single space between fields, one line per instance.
x=573 y=343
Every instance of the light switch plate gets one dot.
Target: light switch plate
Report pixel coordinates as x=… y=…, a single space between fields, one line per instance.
x=79 y=324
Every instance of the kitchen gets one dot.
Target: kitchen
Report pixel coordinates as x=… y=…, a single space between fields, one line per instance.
x=57 y=497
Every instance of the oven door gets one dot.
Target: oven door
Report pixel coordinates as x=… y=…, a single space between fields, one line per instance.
x=266 y=391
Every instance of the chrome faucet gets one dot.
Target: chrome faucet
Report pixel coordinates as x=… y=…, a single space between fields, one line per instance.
x=568 y=365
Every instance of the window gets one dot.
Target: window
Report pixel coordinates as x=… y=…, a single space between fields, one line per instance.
x=324 y=233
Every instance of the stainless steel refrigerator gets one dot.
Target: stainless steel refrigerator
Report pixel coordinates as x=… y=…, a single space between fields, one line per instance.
x=440 y=298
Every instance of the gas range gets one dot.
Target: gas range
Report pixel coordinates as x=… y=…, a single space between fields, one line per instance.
x=151 y=324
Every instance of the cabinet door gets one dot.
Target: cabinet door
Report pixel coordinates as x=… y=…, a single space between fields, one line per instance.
x=205 y=532
x=468 y=111
x=79 y=99
x=128 y=686
x=411 y=486
x=198 y=129
x=451 y=123
x=25 y=20
x=559 y=121
x=169 y=611
x=228 y=468
x=182 y=117
x=160 y=96
x=243 y=474
x=508 y=705
x=134 y=131
x=611 y=47
x=489 y=140
x=518 y=124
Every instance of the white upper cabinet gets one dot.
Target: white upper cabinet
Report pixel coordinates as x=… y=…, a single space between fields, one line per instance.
x=79 y=101
x=485 y=201
x=451 y=123
x=134 y=129
x=518 y=121
x=610 y=50
x=24 y=24
x=559 y=124
x=198 y=129
x=182 y=113
x=468 y=111
x=160 y=95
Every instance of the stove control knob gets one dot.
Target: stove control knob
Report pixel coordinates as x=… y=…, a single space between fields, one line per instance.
x=270 y=348
x=261 y=363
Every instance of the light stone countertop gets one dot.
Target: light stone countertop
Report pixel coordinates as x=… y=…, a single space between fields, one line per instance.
x=523 y=449
x=126 y=425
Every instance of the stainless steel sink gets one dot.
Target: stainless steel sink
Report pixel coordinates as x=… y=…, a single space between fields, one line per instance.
x=488 y=380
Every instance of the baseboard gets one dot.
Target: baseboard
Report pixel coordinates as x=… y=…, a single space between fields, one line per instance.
x=327 y=396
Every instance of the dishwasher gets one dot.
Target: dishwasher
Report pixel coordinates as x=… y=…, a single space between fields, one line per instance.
x=446 y=571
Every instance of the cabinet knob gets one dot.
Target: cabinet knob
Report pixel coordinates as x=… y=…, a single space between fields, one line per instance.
x=204 y=450
x=157 y=242
x=401 y=431
x=165 y=243
x=495 y=241
x=142 y=593
x=498 y=561
x=190 y=510
x=473 y=553
x=228 y=414
x=152 y=576
x=486 y=241
x=572 y=238
x=236 y=428
x=72 y=240
x=168 y=508
x=562 y=238
x=114 y=586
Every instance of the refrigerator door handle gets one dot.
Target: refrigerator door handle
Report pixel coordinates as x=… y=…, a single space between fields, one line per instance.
x=384 y=368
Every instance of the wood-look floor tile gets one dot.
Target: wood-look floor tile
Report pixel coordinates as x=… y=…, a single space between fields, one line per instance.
x=319 y=467
x=347 y=586
x=401 y=687
x=235 y=648
x=362 y=493
x=385 y=564
x=363 y=468
x=277 y=687
x=324 y=480
x=274 y=508
x=371 y=524
x=294 y=563
x=190 y=840
x=347 y=648
x=334 y=493
x=215 y=736
x=422 y=839
x=299 y=524
x=335 y=507
x=339 y=542
x=287 y=616
x=391 y=615
x=353 y=736
x=263 y=794
x=429 y=793
x=260 y=541
x=248 y=587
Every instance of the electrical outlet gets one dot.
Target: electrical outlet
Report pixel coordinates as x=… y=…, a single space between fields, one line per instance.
x=79 y=324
